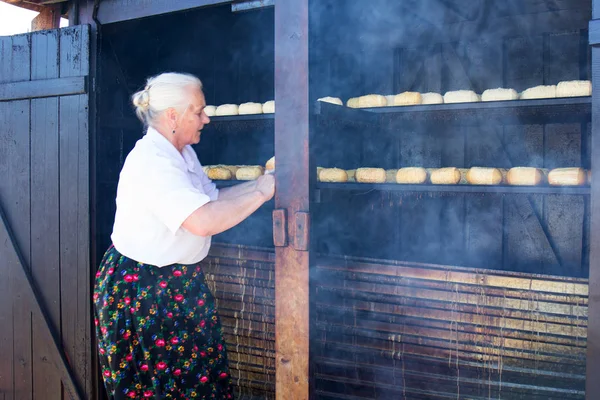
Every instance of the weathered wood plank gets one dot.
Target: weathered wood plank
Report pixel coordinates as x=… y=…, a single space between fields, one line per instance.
x=593 y=353
x=7 y=159
x=43 y=88
x=358 y=313
x=116 y=11
x=292 y=146
x=16 y=196
x=74 y=208
x=15 y=260
x=44 y=210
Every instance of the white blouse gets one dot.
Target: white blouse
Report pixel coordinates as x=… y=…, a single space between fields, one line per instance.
x=159 y=187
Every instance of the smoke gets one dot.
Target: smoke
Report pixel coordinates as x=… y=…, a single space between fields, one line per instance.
x=385 y=47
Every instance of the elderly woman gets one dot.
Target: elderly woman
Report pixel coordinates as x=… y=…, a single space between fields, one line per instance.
x=159 y=335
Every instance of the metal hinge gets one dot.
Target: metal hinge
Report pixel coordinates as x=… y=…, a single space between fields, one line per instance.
x=301 y=229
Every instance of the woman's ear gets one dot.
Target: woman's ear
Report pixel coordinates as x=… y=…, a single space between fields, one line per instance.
x=172 y=116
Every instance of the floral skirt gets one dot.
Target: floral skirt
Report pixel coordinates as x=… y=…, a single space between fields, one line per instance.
x=159 y=335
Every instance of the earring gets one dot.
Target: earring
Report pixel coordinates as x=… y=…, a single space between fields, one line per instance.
x=173 y=131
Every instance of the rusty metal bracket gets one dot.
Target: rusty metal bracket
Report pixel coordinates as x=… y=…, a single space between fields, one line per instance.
x=280 y=228
x=301 y=231
x=12 y=257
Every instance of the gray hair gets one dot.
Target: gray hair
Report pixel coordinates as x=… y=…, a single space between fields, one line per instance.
x=164 y=91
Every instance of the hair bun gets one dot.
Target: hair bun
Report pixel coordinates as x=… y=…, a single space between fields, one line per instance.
x=142 y=100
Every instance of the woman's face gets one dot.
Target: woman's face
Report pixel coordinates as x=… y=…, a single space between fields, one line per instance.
x=192 y=120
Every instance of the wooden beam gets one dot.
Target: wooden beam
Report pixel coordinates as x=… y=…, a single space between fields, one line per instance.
x=43 y=88
x=12 y=258
x=292 y=194
x=25 y=5
x=48 y=18
x=110 y=11
x=592 y=386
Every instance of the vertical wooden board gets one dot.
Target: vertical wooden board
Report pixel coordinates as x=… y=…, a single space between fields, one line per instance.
x=565 y=218
x=453 y=212
x=482 y=63
x=421 y=219
x=430 y=80
x=484 y=148
x=45 y=209
x=562 y=57
x=524 y=62
x=593 y=333
x=484 y=231
x=74 y=234
x=74 y=51
x=378 y=70
x=16 y=201
x=455 y=75
x=525 y=145
x=408 y=64
x=521 y=251
x=452 y=229
x=7 y=150
x=420 y=214
x=74 y=208
x=421 y=147
x=346 y=80
x=562 y=145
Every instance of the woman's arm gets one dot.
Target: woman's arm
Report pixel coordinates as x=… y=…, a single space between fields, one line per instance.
x=232 y=192
x=218 y=216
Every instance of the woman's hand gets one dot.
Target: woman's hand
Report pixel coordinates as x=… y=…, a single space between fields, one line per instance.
x=265 y=184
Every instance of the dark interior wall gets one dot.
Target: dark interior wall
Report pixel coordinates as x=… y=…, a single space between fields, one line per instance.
x=387 y=47
x=233 y=55
x=379 y=47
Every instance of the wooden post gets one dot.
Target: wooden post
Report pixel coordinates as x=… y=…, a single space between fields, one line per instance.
x=48 y=18
x=292 y=194
x=592 y=387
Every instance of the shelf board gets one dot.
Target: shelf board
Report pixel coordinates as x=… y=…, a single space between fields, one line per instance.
x=238 y=118
x=223 y=184
x=514 y=111
x=241 y=123
x=366 y=187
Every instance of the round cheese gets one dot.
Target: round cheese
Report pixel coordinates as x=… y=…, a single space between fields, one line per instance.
x=227 y=109
x=250 y=108
x=370 y=175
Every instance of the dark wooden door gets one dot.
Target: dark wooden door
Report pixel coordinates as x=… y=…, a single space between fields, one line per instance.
x=44 y=233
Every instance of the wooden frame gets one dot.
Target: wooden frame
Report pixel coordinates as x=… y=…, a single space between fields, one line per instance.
x=110 y=11
x=593 y=333
x=292 y=143
x=43 y=88
x=293 y=193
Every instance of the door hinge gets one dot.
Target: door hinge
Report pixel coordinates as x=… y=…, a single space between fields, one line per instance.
x=280 y=228
x=301 y=225
x=302 y=222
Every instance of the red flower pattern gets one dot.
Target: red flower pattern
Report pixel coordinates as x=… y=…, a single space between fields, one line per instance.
x=124 y=285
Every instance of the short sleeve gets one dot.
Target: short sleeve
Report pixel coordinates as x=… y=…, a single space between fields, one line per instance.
x=170 y=193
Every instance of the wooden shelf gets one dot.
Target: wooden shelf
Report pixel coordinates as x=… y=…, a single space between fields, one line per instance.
x=241 y=123
x=575 y=109
x=238 y=118
x=365 y=187
x=222 y=184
